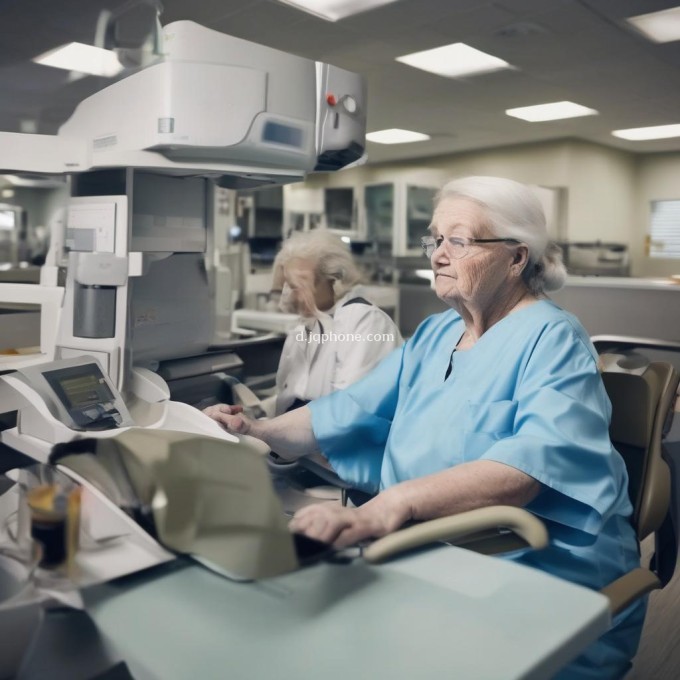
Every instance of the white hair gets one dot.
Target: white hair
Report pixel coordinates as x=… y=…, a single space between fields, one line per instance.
x=514 y=211
x=330 y=256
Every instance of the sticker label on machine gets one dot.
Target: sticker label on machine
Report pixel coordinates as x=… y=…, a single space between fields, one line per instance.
x=91 y=227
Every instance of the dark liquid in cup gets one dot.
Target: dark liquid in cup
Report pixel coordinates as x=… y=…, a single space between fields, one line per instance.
x=51 y=533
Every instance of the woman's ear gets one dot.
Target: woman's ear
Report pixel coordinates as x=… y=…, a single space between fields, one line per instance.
x=520 y=260
x=521 y=256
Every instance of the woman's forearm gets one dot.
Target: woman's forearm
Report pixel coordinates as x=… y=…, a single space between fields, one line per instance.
x=290 y=434
x=466 y=487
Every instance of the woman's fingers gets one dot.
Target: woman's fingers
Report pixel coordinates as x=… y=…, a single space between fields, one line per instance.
x=223 y=408
x=342 y=526
x=331 y=523
x=230 y=417
x=239 y=424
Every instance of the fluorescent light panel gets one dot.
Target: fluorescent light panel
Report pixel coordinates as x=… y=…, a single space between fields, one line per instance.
x=453 y=61
x=661 y=27
x=552 y=111
x=82 y=58
x=643 y=133
x=334 y=10
x=396 y=136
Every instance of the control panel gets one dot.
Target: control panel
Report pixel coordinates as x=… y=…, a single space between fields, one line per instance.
x=78 y=393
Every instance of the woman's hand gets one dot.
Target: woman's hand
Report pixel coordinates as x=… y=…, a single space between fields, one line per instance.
x=231 y=418
x=332 y=523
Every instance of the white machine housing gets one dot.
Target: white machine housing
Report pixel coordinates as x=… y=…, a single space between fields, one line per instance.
x=214 y=104
x=142 y=153
x=213 y=107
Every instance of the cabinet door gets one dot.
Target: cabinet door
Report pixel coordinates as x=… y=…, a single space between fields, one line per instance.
x=339 y=207
x=379 y=205
x=419 y=204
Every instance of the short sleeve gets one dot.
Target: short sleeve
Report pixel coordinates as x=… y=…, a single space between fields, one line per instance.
x=352 y=425
x=560 y=434
x=365 y=336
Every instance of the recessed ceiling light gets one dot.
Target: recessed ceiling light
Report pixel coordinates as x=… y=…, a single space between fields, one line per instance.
x=334 y=10
x=396 y=136
x=453 y=61
x=661 y=27
x=552 y=111
x=82 y=58
x=655 y=132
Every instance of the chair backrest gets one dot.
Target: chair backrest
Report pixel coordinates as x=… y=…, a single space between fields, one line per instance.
x=642 y=411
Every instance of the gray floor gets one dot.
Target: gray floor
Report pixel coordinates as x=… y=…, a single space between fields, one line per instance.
x=658 y=657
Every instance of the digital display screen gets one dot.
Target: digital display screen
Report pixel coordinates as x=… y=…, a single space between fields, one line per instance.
x=282 y=134
x=80 y=386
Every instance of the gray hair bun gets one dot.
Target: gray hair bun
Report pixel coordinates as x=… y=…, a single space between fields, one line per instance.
x=549 y=273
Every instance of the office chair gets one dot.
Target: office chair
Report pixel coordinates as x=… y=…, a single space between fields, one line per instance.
x=642 y=412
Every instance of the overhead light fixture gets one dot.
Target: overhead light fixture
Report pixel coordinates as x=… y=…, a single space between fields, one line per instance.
x=552 y=111
x=661 y=27
x=454 y=61
x=654 y=132
x=334 y=10
x=83 y=59
x=34 y=181
x=7 y=193
x=396 y=136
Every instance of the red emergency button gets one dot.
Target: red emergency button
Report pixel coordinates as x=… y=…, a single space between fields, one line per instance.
x=331 y=99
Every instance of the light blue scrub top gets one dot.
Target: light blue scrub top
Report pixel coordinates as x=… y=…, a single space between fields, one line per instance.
x=528 y=394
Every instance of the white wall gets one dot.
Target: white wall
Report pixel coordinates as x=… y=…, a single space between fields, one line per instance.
x=601 y=186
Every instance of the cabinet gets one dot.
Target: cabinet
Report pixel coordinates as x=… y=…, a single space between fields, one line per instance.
x=396 y=216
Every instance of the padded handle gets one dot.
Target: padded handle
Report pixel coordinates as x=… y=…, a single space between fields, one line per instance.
x=630 y=587
x=454 y=527
x=245 y=396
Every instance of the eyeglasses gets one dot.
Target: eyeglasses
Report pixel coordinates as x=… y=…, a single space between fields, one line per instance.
x=458 y=245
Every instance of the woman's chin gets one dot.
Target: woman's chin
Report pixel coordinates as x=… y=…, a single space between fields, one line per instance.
x=445 y=290
x=451 y=299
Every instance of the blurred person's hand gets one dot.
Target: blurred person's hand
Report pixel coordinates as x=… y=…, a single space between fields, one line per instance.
x=231 y=418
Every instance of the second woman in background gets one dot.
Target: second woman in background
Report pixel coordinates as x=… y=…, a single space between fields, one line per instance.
x=341 y=335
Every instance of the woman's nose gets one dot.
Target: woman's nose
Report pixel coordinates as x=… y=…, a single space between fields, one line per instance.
x=439 y=255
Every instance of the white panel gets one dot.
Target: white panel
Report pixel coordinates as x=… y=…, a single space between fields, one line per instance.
x=98 y=216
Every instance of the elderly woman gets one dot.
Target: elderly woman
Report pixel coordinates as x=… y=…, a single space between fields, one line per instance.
x=342 y=335
x=497 y=401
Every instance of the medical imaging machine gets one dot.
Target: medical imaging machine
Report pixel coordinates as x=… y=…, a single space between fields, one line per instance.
x=144 y=155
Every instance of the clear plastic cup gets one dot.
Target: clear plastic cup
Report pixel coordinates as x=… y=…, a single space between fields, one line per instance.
x=49 y=513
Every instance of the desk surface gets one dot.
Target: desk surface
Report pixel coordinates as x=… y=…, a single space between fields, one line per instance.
x=446 y=612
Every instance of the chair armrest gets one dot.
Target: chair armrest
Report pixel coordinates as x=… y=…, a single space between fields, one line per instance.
x=324 y=472
x=629 y=587
x=602 y=342
x=455 y=527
